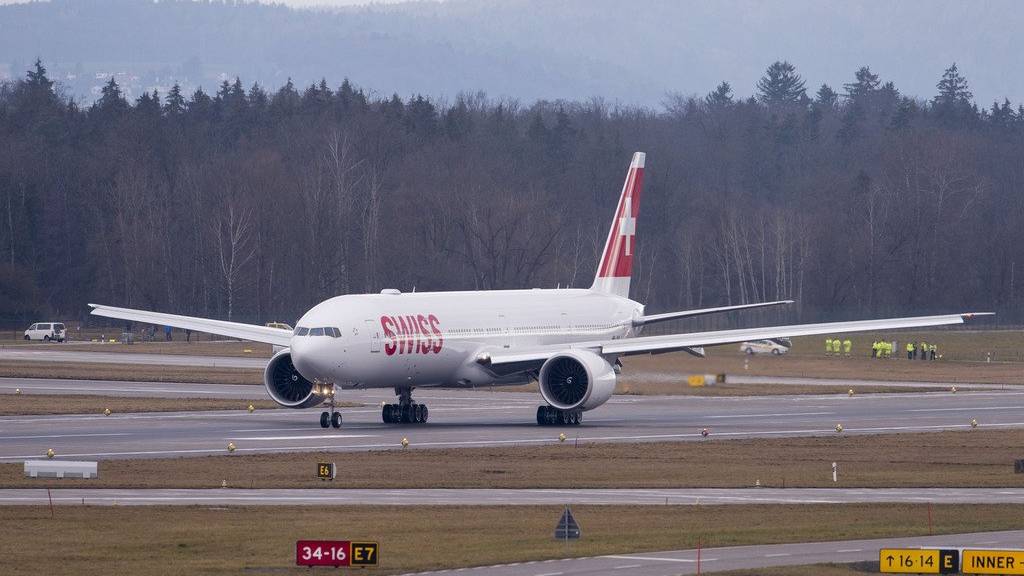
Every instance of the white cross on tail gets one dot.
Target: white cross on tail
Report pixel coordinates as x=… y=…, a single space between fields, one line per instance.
x=627 y=224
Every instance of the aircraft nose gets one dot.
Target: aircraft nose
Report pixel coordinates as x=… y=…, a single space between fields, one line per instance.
x=308 y=357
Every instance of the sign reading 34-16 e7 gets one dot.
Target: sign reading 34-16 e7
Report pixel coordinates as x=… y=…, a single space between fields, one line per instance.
x=336 y=553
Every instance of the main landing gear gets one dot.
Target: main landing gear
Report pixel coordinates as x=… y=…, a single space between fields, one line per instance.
x=332 y=418
x=551 y=416
x=406 y=411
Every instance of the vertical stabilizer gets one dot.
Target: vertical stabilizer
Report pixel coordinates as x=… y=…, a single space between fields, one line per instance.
x=616 y=266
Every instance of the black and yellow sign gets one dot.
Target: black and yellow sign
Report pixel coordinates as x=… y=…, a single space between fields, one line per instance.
x=993 y=562
x=325 y=470
x=364 y=553
x=918 y=561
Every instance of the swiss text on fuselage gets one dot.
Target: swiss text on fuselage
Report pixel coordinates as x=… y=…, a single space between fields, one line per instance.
x=412 y=334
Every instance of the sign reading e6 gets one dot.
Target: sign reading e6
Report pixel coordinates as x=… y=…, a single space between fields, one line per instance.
x=336 y=553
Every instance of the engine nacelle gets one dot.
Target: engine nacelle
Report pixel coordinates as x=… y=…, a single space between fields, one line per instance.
x=286 y=386
x=576 y=379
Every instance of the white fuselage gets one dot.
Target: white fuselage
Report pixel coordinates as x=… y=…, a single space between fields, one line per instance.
x=435 y=338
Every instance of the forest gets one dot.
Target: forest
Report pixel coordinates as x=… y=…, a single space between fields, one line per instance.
x=253 y=205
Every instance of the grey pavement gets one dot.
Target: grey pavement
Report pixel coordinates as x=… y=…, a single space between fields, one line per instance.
x=739 y=557
x=462 y=418
x=336 y=494
x=25 y=353
x=132 y=389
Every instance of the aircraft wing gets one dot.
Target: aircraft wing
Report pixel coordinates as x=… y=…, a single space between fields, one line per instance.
x=675 y=342
x=652 y=318
x=250 y=332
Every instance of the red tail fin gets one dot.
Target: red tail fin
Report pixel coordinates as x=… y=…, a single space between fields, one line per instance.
x=616 y=267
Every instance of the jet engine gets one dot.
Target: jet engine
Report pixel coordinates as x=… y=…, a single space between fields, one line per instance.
x=576 y=380
x=286 y=386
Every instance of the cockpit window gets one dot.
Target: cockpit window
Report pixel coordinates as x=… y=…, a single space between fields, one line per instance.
x=301 y=331
x=333 y=332
x=316 y=331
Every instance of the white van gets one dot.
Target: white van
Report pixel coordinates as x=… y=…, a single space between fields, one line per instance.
x=774 y=347
x=46 y=331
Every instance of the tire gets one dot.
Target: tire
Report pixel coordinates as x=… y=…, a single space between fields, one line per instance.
x=775 y=352
x=27 y=337
x=749 y=351
x=541 y=415
x=46 y=338
x=325 y=419
x=426 y=414
x=336 y=420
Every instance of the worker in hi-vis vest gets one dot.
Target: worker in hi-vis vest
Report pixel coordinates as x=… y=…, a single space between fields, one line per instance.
x=847 y=346
x=910 y=351
x=828 y=346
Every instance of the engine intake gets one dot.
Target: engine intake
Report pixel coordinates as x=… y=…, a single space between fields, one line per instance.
x=286 y=386
x=576 y=379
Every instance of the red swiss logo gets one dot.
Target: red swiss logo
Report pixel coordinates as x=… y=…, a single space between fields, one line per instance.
x=412 y=334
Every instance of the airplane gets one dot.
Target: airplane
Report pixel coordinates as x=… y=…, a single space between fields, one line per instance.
x=568 y=340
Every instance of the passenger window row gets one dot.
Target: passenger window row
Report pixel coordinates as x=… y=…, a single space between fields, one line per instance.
x=324 y=331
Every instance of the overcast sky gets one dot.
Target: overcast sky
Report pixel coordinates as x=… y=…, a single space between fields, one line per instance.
x=632 y=51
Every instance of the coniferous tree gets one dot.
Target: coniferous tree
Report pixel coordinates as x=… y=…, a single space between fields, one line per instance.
x=865 y=84
x=826 y=97
x=111 y=101
x=175 y=102
x=781 y=86
x=720 y=98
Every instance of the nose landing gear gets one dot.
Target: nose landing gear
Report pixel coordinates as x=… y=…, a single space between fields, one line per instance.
x=332 y=418
x=406 y=411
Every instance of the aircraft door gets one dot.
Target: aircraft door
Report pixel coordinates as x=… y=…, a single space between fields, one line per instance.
x=506 y=331
x=373 y=329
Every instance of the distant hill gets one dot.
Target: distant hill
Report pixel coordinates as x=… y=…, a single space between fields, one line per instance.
x=633 y=52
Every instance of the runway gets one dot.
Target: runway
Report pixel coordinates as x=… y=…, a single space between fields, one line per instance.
x=739 y=557
x=20 y=353
x=340 y=496
x=465 y=418
x=133 y=389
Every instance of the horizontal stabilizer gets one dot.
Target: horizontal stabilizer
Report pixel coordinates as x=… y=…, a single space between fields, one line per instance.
x=650 y=319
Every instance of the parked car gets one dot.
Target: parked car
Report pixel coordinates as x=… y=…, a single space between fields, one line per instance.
x=46 y=331
x=774 y=347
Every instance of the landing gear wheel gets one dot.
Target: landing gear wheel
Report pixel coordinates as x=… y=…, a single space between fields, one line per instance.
x=336 y=420
x=406 y=411
x=325 y=419
x=551 y=416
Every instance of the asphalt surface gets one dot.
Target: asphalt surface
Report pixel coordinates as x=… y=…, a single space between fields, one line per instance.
x=461 y=418
x=329 y=496
x=53 y=354
x=133 y=389
x=739 y=557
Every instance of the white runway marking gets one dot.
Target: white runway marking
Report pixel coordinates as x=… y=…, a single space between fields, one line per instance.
x=965 y=408
x=654 y=558
x=848 y=551
x=779 y=555
x=773 y=415
x=318 y=437
x=64 y=436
